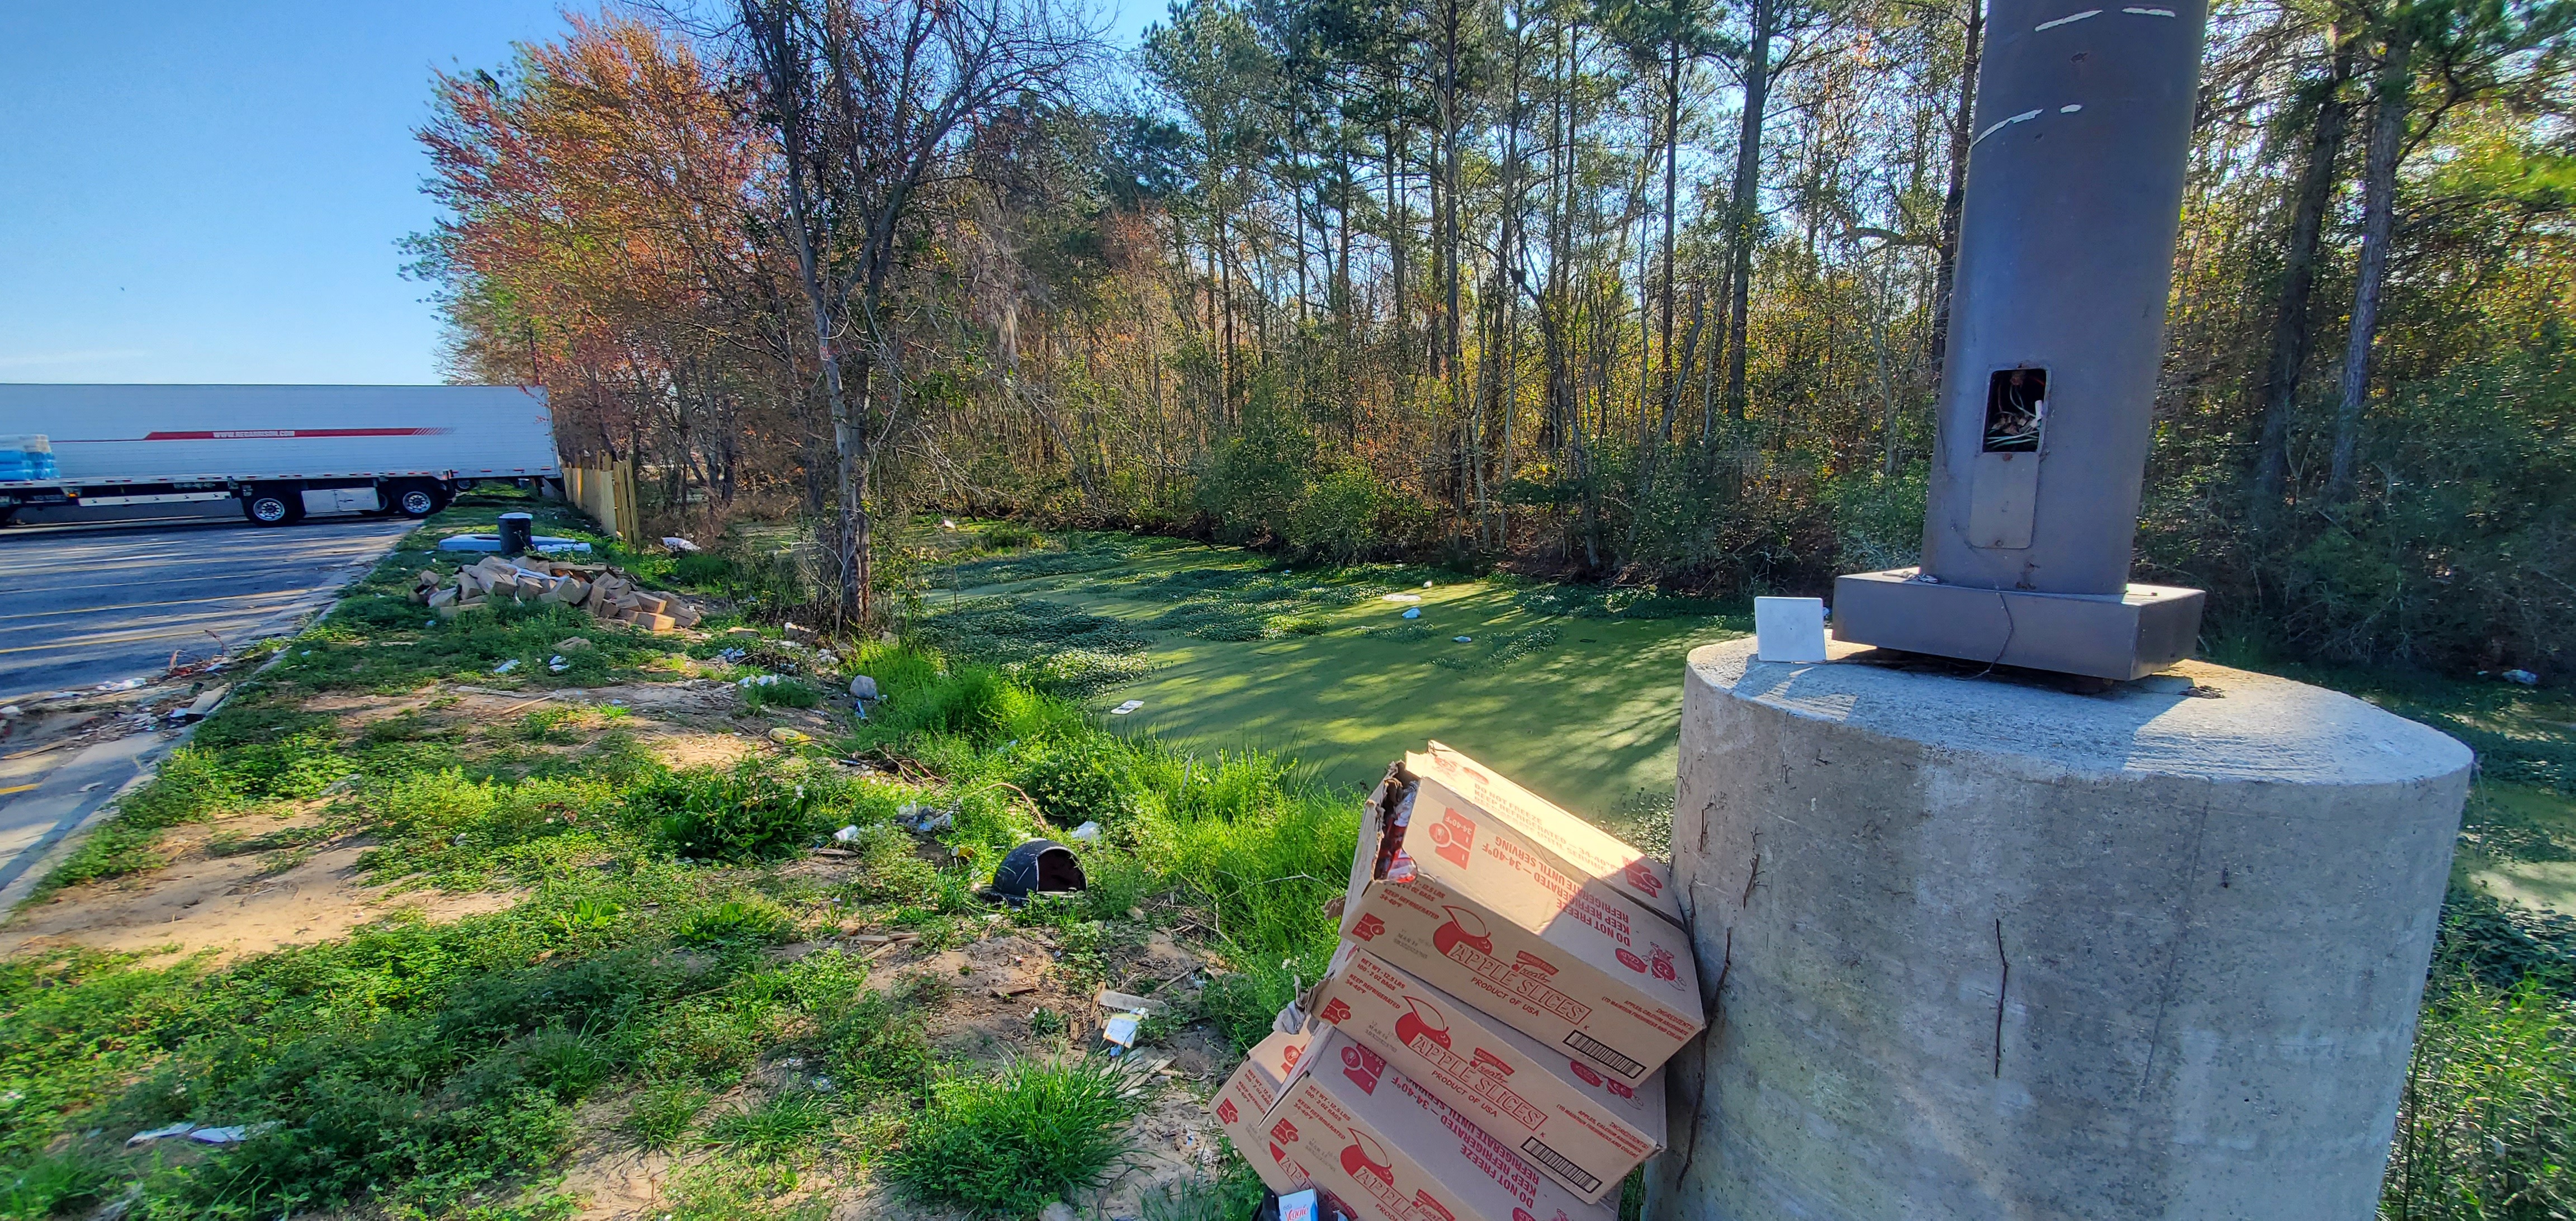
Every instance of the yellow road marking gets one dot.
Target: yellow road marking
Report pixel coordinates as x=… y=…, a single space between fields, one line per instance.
x=19 y=789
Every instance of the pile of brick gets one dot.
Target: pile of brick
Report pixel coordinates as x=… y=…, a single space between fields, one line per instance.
x=1490 y=1041
x=608 y=594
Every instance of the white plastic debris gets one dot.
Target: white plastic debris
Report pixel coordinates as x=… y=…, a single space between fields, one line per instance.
x=1789 y=629
x=1415 y=613
x=231 y=1135
x=11 y=711
x=1128 y=707
x=506 y=667
x=1464 y=639
x=845 y=835
x=863 y=688
x=149 y=1135
x=1121 y=1029
x=680 y=545
x=1086 y=833
x=1401 y=598
x=1426 y=584
x=2524 y=677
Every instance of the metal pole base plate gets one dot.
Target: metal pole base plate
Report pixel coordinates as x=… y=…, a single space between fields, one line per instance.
x=2100 y=635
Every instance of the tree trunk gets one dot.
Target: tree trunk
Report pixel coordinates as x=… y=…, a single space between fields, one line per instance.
x=2379 y=211
x=1748 y=173
x=2298 y=279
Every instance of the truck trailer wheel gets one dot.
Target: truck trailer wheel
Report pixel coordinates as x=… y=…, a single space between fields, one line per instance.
x=271 y=508
x=418 y=499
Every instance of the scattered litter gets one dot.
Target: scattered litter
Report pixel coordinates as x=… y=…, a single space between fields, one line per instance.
x=756 y=680
x=506 y=667
x=1426 y=584
x=1088 y=832
x=1128 y=707
x=1415 y=613
x=790 y=737
x=947 y=523
x=681 y=545
x=846 y=835
x=923 y=820
x=1401 y=598
x=1127 y=1002
x=130 y=684
x=2524 y=677
x=835 y=853
x=1121 y=1030
x=571 y=644
x=863 y=688
x=150 y=1135
x=91 y=785
x=556 y=664
x=203 y=706
x=1299 y=1206
x=1464 y=639
x=11 y=712
x=233 y=1135
x=1007 y=991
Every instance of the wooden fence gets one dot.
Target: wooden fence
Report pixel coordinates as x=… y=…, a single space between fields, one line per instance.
x=608 y=494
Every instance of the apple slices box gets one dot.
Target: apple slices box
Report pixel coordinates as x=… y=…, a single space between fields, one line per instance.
x=1578 y=846
x=1387 y=1149
x=1246 y=1099
x=1564 y=1118
x=1456 y=895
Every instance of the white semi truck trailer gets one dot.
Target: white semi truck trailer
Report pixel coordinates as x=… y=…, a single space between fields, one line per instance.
x=284 y=452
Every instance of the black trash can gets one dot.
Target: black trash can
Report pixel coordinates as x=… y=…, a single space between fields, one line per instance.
x=517 y=531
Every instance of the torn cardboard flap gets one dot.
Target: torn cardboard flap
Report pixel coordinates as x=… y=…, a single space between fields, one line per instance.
x=1576 y=845
x=1377 y=1140
x=1246 y=1099
x=1564 y=1117
x=1564 y=958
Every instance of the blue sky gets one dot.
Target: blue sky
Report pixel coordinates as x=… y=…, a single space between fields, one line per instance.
x=194 y=191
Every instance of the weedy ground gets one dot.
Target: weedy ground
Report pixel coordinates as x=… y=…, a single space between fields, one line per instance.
x=556 y=944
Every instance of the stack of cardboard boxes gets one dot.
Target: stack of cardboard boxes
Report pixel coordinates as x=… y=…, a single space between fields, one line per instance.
x=1489 y=1042
x=608 y=594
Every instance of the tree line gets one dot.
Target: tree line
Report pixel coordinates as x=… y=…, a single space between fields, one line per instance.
x=1647 y=290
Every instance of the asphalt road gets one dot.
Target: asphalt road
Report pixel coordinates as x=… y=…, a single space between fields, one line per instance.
x=84 y=605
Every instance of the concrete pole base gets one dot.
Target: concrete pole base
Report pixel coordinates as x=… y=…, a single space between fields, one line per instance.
x=1978 y=949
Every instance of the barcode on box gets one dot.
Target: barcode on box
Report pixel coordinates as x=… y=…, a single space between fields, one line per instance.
x=1568 y=1171
x=1607 y=1058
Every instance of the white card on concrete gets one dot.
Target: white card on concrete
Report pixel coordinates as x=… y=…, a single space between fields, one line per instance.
x=1789 y=629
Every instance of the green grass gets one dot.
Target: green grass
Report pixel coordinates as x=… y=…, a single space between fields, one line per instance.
x=1006 y=1144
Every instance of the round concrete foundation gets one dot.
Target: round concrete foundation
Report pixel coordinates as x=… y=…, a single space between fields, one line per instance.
x=1983 y=949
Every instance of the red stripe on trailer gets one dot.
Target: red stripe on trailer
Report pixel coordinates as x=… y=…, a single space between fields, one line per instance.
x=237 y=434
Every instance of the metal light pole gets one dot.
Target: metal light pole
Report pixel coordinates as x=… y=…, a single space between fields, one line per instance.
x=2066 y=240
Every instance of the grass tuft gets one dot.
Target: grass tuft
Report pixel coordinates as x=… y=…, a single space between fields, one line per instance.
x=1007 y=1144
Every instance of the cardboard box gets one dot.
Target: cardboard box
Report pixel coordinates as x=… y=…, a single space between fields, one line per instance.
x=1562 y=1116
x=1565 y=959
x=1575 y=845
x=1246 y=1100
x=1389 y=1150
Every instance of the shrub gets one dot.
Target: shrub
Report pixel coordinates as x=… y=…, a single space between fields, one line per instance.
x=745 y=813
x=2487 y=1124
x=1009 y=1143
x=1081 y=779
